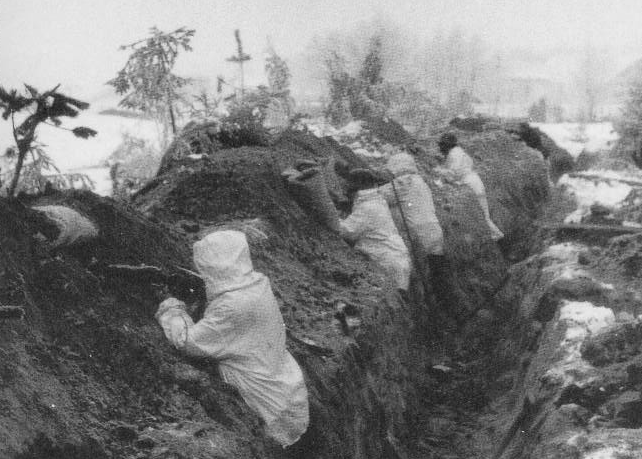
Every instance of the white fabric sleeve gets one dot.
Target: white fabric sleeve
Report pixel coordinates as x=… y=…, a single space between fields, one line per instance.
x=459 y=162
x=206 y=339
x=352 y=228
x=388 y=193
x=454 y=162
x=198 y=340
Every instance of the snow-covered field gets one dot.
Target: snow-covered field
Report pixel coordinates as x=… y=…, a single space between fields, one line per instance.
x=595 y=186
x=88 y=156
x=574 y=137
x=72 y=154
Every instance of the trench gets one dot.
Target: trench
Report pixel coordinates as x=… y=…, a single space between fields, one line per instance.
x=530 y=364
x=559 y=378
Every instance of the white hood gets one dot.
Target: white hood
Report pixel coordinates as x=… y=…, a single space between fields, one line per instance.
x=223 y=260
x=402 y=164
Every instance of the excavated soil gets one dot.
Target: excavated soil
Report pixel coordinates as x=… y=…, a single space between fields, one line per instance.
x=89 y=372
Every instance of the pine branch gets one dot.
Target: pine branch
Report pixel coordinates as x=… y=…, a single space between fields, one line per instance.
x=80 y=131
x=83 y=132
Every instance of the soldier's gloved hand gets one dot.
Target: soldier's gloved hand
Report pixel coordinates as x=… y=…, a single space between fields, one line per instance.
x=170 y=305
x=171 y=317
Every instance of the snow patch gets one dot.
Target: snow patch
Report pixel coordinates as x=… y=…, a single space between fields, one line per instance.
x=321 y=128
x=565 y=251
x=373 y=153
x=563 y=261
x=572 y=272
x=352 y=129
x=588 y=191
x=610 y=174
x=353 y=135
x=581 y=319
x=605 y=453
x=582 y=314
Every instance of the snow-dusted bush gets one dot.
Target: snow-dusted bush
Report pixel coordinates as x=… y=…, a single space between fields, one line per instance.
x=134 y=162
x=629 y=126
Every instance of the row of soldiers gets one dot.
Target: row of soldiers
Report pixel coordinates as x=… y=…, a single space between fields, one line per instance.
x=390 y=203
x=242 y=327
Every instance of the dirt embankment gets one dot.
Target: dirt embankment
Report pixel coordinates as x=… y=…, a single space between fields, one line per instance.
x=88 y=372
x=571 y=353
x=571 y=350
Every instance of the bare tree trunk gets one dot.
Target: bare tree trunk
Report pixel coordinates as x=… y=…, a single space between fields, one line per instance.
x=16 y=175
x=22 y=152
x=170 y=107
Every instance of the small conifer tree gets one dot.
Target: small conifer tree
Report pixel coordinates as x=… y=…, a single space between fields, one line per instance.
x=537 y=111
x=147 y=80
x=278 y=73
x=629 y=126
x=47 y=107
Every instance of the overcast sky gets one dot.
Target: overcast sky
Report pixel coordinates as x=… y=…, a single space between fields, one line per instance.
x=75 y=42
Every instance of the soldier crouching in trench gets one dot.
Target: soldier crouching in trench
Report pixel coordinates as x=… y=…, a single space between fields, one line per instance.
x=243 y=330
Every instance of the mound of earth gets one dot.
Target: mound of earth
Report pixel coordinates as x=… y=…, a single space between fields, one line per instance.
x=573 y=386
x=560 y=160
x=87 y=373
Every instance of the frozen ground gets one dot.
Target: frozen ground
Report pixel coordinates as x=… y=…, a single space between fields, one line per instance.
x=581 y=319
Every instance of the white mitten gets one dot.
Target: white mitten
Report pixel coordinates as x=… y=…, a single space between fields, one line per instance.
x=171 y=316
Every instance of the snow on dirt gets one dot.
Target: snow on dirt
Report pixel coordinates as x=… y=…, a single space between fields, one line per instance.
x=321 y=128
x=606 y=453
x=581 y=319
x=563 y=259
x=589 y=190
x=575 y=137
x=354 y=135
